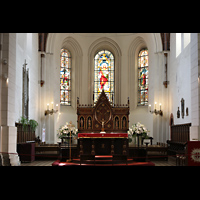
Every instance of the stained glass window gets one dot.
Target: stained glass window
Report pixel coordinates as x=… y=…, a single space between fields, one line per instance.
x=65 y=77
x=104 y=74
x=143 y=75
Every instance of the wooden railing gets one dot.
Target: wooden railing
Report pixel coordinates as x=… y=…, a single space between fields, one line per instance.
x=180 y=135
x=24 y=136
x=180 y=132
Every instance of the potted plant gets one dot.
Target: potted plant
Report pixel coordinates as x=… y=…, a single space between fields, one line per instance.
x=33 y=124
x=26 y=129
x=25 y=122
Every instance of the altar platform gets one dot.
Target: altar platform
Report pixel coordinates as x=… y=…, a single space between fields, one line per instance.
x=103 y=161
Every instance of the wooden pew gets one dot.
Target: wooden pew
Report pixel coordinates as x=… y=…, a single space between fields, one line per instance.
x=180 y=135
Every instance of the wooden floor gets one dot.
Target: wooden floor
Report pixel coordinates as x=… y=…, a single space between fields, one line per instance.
x=170 y=162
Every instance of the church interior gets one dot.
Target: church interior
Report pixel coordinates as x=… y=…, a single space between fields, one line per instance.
x=100 y=99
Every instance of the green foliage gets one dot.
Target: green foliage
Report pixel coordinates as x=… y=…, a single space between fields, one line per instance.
x=25 y=122
x=33 y=124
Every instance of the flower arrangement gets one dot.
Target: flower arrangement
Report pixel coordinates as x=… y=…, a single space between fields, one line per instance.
x=65 y=130
x=137 y=129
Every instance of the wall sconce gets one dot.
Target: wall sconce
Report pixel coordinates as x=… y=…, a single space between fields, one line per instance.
x=157 y=112
x=50 y=112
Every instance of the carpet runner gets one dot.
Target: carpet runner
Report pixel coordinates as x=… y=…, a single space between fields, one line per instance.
x=102 y=160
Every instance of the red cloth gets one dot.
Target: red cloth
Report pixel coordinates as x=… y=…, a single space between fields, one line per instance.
x=193 y=153
x=103 y=135
x=58 y=163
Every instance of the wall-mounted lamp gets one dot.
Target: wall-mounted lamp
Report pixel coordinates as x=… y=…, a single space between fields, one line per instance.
x=157 y=112
x=50 y=112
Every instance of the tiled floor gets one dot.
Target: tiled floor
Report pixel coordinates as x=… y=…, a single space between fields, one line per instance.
x=170 y=162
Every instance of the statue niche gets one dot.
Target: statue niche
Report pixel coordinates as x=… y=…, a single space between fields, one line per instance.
x=82 y=123
x=124 y=123
x=89 y=123
x=116 y=123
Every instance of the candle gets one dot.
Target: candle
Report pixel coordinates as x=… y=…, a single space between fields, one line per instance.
x=150 y=107
x=47 y=106
x=155 y=105
x=56 y=106
x=52 y=104
x=160 y=106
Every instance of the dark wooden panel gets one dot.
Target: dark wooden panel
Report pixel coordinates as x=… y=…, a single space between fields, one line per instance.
x=180 y=135
x=24 y=135
x=180 y=132
x=90 y=118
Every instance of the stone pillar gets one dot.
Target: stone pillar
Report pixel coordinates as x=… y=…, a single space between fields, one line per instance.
x=8 y=131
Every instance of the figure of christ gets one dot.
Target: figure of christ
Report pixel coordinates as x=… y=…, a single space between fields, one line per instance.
x=103 y=75
x=102 y=129
x=103 y=125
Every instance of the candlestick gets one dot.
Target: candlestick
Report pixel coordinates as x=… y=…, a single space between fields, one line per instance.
x=50 y=112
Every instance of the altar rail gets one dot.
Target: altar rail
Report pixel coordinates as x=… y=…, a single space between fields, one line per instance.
x=24 y=136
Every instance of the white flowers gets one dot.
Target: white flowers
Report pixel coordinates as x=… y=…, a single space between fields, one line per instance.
x=137 y=128
x=64 y=130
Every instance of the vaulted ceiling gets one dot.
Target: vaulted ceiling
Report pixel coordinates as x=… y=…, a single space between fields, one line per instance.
x=43 y=38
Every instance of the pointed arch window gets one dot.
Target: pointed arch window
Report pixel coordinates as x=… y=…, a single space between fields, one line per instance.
x=143 y=77
x=65 y=77
x=104 y=75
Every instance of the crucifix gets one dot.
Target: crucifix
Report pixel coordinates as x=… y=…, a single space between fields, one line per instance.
x=25 y=64
x=166 y=82
x=70 y=126
x=102 y=129
x=25 y=91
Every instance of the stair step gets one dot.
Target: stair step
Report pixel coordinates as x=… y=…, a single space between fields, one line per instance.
x=103 y=157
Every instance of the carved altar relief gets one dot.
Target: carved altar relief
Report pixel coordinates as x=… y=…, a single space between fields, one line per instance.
x=103 y=113
x=115 y=118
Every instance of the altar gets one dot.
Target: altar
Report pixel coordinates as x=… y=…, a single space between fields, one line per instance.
x=103 y=144
x=103 y=127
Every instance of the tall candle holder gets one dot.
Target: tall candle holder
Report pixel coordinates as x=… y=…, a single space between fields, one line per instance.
x=157 y=112
x=50 y=112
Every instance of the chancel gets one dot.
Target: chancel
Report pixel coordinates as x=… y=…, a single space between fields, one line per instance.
x=100 y=99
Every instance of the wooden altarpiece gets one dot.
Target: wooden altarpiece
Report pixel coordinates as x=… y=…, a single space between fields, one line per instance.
x=114 y=118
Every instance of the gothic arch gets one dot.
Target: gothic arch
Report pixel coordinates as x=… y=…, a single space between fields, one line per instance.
x=76 y=52
x=54 y=45
x=73 y=45
x=137 y=44
x=154 y=44
x=112 y=46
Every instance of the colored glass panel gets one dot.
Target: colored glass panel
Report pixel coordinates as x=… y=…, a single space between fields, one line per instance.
x=143 y=77
x=104 y=74
x=65 y=77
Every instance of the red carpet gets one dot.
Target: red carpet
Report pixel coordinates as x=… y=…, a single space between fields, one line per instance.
x=76 y=162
